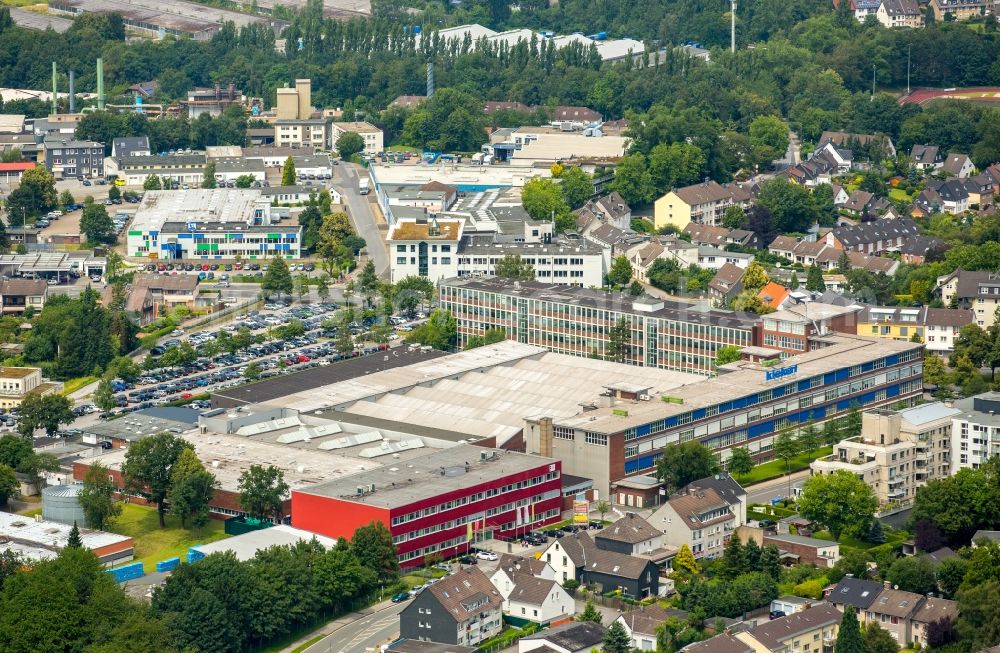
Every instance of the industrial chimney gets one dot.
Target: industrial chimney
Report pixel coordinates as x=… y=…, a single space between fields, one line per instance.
x=100 y=84
x=72 y=91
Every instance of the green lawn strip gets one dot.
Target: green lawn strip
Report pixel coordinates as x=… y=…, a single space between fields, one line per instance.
x=153 y=544
x=776 y=468
x=306 y=644
x=71 y=386
x=899 y=195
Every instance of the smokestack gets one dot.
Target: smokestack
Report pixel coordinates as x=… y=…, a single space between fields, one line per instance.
x=72 y=91
x=55 y=90
x=100 y=84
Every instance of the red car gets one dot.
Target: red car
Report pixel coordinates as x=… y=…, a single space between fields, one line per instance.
x=186 y=395
x=205 y=267
x=302 y=358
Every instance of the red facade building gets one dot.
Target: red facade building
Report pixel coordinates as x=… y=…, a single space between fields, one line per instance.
x=438 y=502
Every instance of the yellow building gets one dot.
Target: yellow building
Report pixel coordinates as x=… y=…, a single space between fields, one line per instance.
x=16 y=383
x=813 y=630
x=936 y=327
x=703 y=203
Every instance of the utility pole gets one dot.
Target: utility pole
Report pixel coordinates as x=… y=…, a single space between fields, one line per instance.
x=873 y=83
x=732 y=25
x=908 y=69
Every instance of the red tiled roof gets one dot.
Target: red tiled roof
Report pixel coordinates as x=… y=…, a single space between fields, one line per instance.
x=13 y=167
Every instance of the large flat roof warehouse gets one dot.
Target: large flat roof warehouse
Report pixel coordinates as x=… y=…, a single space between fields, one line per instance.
x=331 y=8
x=35 y=20
x=485 y=392
x=745 y=378
x=469 y=178
x=196 y=205
x=431 y=475
x=185 y=17
x=548 y=144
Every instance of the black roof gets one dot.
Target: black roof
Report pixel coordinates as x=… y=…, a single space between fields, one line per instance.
x=870 y=232
x=722 y=483
x=574 y=636
x=316 y=377
x=855 y=591
x=174 y=413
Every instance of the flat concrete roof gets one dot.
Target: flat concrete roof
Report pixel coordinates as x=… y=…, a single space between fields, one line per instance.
x=458 y=175
x=34 y=20
x=433 y=474
x=246 y=546
x=844 y=351
x=553 y=145
x=17 y=372
x=217 y=205
x=49 y=534
x=141 y=424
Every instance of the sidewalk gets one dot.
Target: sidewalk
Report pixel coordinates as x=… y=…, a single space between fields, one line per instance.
x=340 y=622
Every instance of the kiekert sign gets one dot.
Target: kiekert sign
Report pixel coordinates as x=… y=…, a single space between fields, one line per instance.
x=781 y=372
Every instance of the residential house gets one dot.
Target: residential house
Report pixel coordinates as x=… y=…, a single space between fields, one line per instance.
x=704 y=203
x=774 y=295
x=861 y=8
x=407 y=101
x=993 y=172
x=789 y=604
x=960 y=9
x=706 y=234
x=642 y=624
x=631 y=535
x=724 y=643
x=699 y=518
x=915 y=250
x=873 y=237
x=809 y=631
x=975 y=435
x=643 y=257
x=304 y=132
x=463 y=608
x=145 y=90
x=511 y=566
x=980 y=190
x=16 y=383
x=424 y=247
x=931 y=609
x=832 y=160
x=978 y=290
x=169 y=291
x=713 y=258
x=726 y=284
x=371 y=135
x=958 y=165
x=983 y=535
x=492 y=106
x=840 y=195
x=17 y=295
x=611 y=209
x=816 y=169
x=856 y=592
x=950 y=196
x=858 y=202
x=926 y=157
x=826 y=255
x=575 y=114
x=894 y=610
x=726 y=487
x=572 y=637
x=577 y=557
x=66 y=158
x=139 y=303
x=541 y=600
x=797 y=549
x=937 y=327
x=899 y=13
x=130 y=146
x=898 y=452
x=854 y=141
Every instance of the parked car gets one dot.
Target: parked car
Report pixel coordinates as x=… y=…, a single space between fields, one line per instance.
x=399 y=598
x=487 y=555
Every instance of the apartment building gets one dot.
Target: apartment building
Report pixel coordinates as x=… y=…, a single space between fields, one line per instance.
x=897 y=451
x=813 y=630
x=305 y=132
x=16 y=383
x=977 y=290
x=462 y=609
x=905 y=615
x=936 y=327
x=425 y=248
x=975 y=431
x=960 y=9
x=899 y=13
x=67 y=158
x=18 y=295
x=576 y=321
x=703 y=203
x=700 y=518
x=371 y=135
x=179 y=169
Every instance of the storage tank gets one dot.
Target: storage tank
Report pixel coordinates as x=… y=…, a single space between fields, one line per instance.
x=61 y=503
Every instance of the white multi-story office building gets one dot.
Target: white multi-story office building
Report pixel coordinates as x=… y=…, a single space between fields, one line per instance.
x=975 y=432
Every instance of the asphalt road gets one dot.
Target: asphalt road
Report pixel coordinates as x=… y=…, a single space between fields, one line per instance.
x=775 y=488
x=345 y=179
x=358 y=632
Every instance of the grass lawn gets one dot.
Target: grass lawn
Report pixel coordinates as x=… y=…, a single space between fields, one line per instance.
x=71 y=386
x=153 y=544
x=899 y=195
x=851 y=542
x=306 y=644
x=776 y=468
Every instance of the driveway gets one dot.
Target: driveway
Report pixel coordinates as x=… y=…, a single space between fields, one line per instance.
x=345 y=179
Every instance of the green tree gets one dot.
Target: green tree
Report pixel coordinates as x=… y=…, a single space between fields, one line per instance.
x=350 y=144
x=809 y=437
x=603 y=508
x=152 y=182
x=263 y=491
x=208 y=177
x=814 y=279
x=633 y=180
x=47 y=412
x=840 y=501
x=950 y=574
x=785 y=448
x=97 y=497
x=440 y=331
x=104 y=396
x=913 y=574
x=734 y=560
x=740 y=461
x=191 y=488
x=543 y=199
x=878 y=640
x=849 y=639
x=372 y=544
x=252 y=372
x=245 y=181
x=794 y=283
x=620 y=273
x=876 y=534
x=288 y=172
x=577 y=186
x=66 y=199
x=755 y=277
x=277 y=279
x=684 y=463
x=590 y=613
x=831 y=433
x=770 y=561
x=35 y=196
x=96 y=224
x=616 y=639
x=148 y=467
x=768 y=139
x=791 y=205
x=8 y=483
x=619 y=341
x=368 y=283
x=727 y=354
x=490 y=337
x=323 y=287
x=74 y=541
x=114 y=193
x=979 y=615
x=344 y=342
x=511 y=266
x=734 y=217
